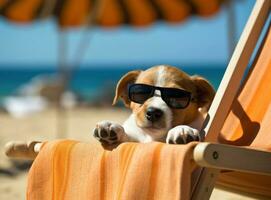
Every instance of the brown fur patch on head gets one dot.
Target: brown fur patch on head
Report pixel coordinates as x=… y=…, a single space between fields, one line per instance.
x=148 y=76
x=172 y=77
x=121 y=89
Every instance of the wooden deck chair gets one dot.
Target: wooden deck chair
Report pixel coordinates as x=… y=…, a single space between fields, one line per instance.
x=241 y=116
x=236 y=154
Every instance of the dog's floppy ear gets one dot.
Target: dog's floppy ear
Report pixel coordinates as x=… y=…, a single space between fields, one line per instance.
x=205 y=91
x=121 y=89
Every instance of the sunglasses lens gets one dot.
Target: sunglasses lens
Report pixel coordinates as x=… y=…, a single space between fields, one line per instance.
x=176 y=98
x=139 y=93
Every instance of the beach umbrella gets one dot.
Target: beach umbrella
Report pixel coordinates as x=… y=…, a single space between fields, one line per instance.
x=102 y=13
x=107 y=13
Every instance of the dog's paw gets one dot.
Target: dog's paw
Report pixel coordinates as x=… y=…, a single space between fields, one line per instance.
x=109 y=133
x=182 y=135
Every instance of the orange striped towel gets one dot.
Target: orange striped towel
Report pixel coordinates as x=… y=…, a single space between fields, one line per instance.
x=74 y=170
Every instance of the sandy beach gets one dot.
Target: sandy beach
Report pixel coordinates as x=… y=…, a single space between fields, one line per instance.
x=43 y=126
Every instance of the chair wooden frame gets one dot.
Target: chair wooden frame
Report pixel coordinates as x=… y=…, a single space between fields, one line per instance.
x=216 y=157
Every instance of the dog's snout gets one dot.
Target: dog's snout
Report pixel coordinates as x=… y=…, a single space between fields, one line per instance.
x=153 y=114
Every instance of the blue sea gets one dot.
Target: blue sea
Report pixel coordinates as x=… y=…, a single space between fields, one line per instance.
x=88 y=83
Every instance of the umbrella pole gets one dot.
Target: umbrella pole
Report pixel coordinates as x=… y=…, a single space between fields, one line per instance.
x=85 y=38
x=231 y=26
x=61 y=112
x=66 y=72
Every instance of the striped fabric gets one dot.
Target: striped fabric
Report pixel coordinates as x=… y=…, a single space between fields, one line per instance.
x=74 y=170
x=108 y=13
x=253 y=109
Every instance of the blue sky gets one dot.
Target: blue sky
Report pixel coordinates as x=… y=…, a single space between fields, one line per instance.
x=196 y=41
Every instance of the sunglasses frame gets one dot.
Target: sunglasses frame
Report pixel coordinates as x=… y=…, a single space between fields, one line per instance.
x=163 y=96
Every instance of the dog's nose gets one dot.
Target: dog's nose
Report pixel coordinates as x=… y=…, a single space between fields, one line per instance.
x=153 y=114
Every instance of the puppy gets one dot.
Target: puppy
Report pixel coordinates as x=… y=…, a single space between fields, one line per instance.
x=167 y=105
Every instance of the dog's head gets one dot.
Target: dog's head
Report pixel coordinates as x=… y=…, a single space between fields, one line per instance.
x=162 y=110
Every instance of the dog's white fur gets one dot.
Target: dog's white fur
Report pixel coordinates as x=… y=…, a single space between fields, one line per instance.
x=131 y=131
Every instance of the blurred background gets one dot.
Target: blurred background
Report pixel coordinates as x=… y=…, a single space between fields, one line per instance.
x=60 y=61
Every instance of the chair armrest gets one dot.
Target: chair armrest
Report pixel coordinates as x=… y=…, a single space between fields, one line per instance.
x=235 y=158
x=23 y=150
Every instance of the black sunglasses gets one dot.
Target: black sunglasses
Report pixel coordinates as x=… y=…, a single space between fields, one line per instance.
x=174 y=98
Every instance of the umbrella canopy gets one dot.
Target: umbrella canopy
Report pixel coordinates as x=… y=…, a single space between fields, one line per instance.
x=108 y=13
